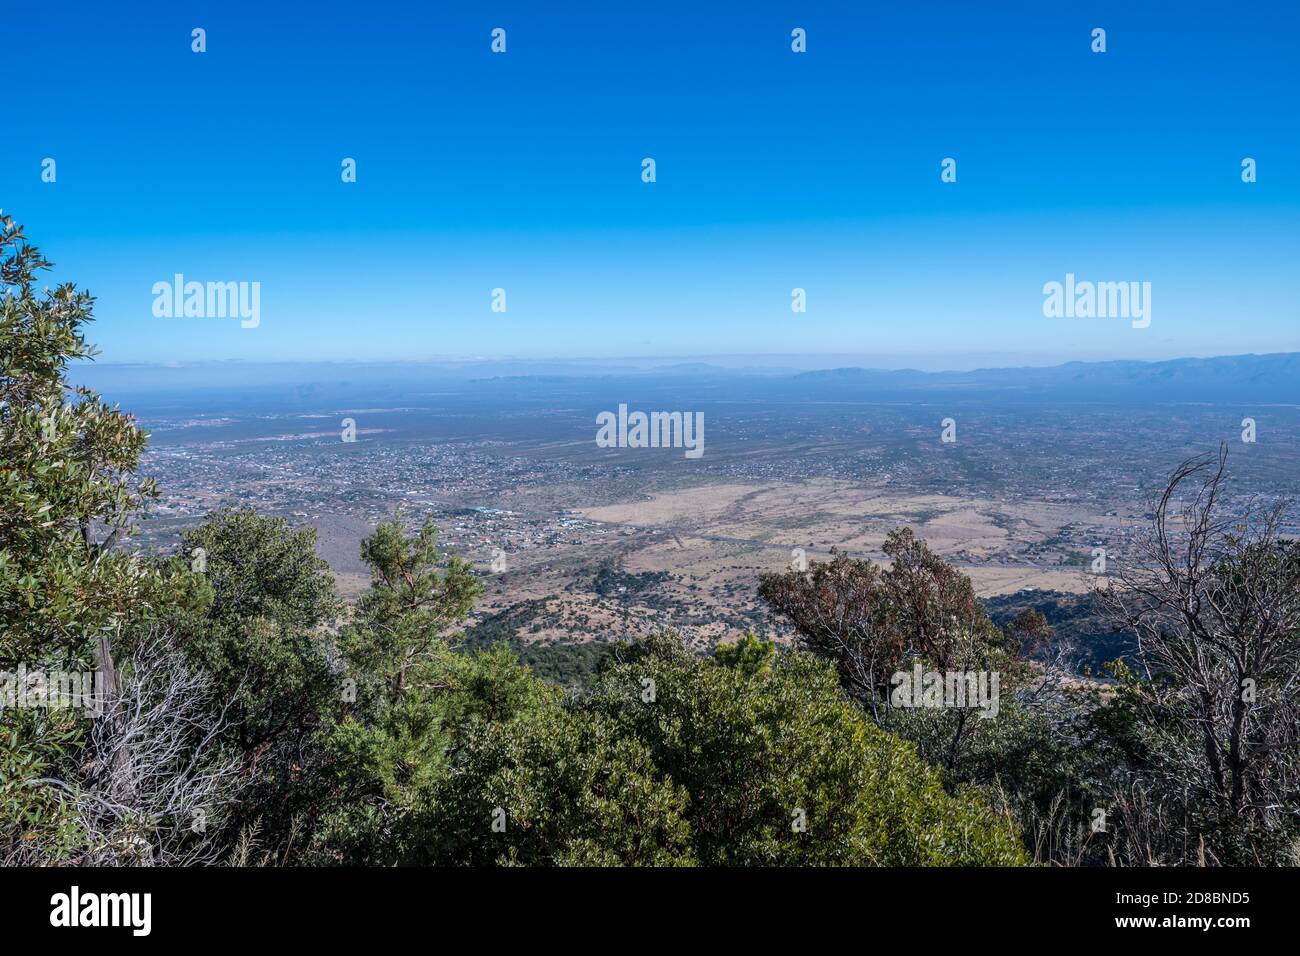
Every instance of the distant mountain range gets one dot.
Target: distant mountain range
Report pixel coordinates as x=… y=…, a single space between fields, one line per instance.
x=1272 y=378
x=1261 y=378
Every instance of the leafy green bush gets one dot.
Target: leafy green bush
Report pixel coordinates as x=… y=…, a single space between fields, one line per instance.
x=781 y=769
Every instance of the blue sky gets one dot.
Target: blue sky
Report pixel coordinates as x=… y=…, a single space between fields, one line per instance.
x=775 y=170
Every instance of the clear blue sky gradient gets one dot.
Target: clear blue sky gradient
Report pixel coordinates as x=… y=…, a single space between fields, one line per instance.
x=775 y=170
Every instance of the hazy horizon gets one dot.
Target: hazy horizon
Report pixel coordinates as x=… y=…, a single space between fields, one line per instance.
x=737 y=361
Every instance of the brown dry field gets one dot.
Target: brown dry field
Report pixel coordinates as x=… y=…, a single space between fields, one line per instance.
x=715 y=540
x=821 y=515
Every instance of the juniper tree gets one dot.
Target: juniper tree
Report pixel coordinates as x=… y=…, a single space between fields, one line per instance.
x=404 y=617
